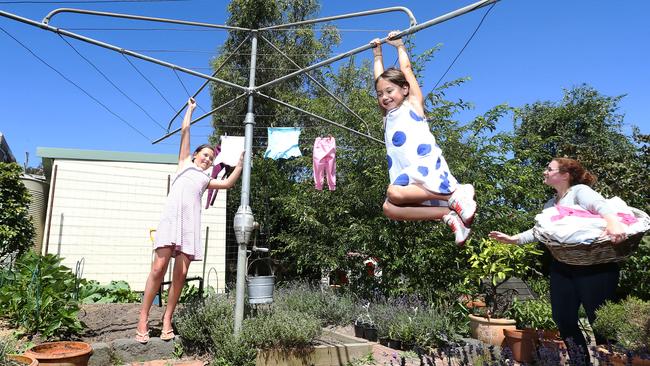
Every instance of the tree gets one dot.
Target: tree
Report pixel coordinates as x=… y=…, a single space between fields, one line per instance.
x=587 y=126
x=16 y=227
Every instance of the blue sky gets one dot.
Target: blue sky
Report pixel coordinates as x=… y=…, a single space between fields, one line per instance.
x=525 y=51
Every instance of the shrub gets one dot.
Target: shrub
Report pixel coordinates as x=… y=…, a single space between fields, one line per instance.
x=16 y=228
x=205 y=324
x=328 y=306
x=40 y=297
x=635 y=273
x=281 y=328
x=92 y=292
x=494 y=263
x=626 y=323
x=534 y=313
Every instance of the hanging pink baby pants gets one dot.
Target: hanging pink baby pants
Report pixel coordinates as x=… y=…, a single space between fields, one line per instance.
x=324 y=157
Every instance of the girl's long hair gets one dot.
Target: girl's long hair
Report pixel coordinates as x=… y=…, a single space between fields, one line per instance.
x=577 y=173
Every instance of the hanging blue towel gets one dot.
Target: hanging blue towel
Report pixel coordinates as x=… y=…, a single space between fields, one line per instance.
x=283 y=143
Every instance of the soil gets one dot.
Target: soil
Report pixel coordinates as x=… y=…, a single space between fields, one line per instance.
x=108 y=322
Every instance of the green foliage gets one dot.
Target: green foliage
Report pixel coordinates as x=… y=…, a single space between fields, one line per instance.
x=626 y=323
x=415 y=257
x=281 y=328
x=39 y=297
x=204 y=322
x=416 y=322
x=492 y=263
x=16 y=228
x=534 y=313
x=330 y=307
x=586 y=125
x=189 y=293
x=635 y=273
x=92 y=292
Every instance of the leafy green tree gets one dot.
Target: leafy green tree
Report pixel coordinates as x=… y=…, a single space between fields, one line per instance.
x=16 y=227
x=587 y=126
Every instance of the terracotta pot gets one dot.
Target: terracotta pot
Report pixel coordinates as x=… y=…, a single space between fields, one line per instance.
x=23 y=359
x=618 y=359
x=65 y=353
x=490 y=330
x=522 y=343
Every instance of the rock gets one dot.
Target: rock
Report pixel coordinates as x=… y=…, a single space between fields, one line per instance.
x=102 y=354
x=128 y=350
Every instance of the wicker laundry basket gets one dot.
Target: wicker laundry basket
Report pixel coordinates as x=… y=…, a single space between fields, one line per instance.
x=597 y=252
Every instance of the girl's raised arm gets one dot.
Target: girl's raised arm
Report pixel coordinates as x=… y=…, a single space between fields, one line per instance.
x=378 y=63
x=184 y=155
x=415 y=93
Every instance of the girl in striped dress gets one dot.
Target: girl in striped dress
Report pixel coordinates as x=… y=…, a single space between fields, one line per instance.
x=179 y=232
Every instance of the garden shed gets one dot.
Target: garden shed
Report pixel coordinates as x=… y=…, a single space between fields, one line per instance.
x=102 y=206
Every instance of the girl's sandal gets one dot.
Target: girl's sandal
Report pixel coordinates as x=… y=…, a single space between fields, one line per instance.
x=167 y=335
x=142 y=338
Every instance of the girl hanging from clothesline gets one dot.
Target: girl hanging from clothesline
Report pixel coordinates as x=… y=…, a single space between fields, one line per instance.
x=421 y=185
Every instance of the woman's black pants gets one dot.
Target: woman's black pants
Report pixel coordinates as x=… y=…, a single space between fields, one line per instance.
x=571 y=286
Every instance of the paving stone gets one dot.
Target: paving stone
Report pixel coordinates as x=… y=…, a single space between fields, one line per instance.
x=128 y=350
x=169 y=363
x=101 y=354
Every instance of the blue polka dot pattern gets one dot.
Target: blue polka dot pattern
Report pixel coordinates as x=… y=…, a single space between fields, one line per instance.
x=399 y=138
x=415 y=116
x=444 y=184
x=402 y=180
x=390 y=161
x=424 y=149
x=423 y=170
x=438 y=163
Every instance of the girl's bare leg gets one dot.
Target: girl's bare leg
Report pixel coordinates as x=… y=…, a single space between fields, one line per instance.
x=158 y=269
x=414 y=213
x=412 y=194
x=181 y=266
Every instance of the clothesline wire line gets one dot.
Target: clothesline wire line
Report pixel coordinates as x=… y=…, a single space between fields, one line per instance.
x=148 y=81
x=76 y=85
x=111 y=82
x=187 y=91
x=463 y=48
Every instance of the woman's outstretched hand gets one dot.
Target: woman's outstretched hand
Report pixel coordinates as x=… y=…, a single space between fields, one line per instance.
x=504 y=238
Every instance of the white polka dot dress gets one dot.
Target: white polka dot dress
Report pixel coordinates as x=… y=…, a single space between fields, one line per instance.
x=413 y=154
x=180 y=224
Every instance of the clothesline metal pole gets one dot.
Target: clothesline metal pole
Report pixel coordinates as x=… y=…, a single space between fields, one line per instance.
x=367 y=46
x=323 y=87
x=244 y=220
x=318 y=117
x=117 y=49
x=205 y=83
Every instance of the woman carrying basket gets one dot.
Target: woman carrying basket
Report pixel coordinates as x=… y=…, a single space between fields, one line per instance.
x=571 y=285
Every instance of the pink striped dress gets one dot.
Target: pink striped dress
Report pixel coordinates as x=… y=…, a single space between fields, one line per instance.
x=180 y=224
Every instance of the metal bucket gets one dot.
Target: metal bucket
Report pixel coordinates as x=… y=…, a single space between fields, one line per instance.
x=260 y=288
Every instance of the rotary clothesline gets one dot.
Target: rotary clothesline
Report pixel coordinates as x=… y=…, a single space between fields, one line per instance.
x=254 y=90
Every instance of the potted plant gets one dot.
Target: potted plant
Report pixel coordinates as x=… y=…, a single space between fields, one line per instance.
x=627 y=326
x=534 y=320
x=7 y=358
x=491 y=264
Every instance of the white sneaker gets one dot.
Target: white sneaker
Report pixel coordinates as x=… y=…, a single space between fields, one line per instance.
x=462 y=202
x=461 y=232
